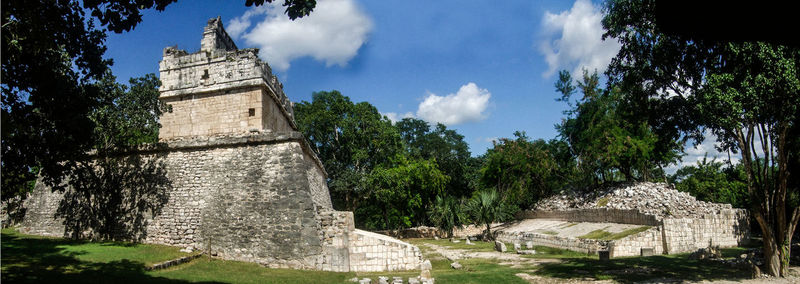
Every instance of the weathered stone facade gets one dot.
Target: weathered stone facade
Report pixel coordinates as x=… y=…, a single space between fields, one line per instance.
x=242 y=182
x=220 y=89
x=679 y=222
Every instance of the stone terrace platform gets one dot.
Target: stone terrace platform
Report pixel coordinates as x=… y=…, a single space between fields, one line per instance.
x=678 y=222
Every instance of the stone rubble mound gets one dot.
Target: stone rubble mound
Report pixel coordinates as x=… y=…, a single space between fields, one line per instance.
x=658 y=199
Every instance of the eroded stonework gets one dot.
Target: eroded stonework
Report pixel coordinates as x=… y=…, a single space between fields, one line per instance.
x=678 y=222
x=220 y=89
x=239 y=181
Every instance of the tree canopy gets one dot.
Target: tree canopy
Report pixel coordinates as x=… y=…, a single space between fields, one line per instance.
x=609 y=139
x=746 y=93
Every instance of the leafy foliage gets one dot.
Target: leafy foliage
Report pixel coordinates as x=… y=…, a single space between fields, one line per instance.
x=448 y=214
x=351 y=140
x=486 y=207
x=607 y=138
x=51 y=53
x=405 y=188
x=369 y=169
x=443 y=145
x=712 y=181
x=746 y=93
x=294 y=8
x=523 y=171
x=130 y=115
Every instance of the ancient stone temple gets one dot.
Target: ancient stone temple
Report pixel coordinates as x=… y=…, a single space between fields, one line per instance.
x=241 y=181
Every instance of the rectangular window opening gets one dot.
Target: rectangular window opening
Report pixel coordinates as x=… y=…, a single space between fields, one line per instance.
x=251 y=112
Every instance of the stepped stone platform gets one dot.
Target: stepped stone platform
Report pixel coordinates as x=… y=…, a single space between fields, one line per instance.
x=677 y=221
x=232 y=177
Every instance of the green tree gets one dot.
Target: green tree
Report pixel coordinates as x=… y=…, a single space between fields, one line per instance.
x=485 y=208
x=443 y=145
x=712 y=181
x=609 y=140
x=523 y=171
x=746 y=93
x=448 y=214
x=351 y=140
x=405 y=189
x=130 y=115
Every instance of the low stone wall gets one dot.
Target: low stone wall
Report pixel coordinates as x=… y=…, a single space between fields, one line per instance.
x=632 y=245
x=474 y=230
x=599 y=215
x=574 y=244
x=724 y=228
x=375 y=252
x=40 y=213
x=727 y=228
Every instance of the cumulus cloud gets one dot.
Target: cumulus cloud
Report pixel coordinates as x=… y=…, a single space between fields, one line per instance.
x=395 y=117
x=333 y=33
x=573 y=40
x=467 y=105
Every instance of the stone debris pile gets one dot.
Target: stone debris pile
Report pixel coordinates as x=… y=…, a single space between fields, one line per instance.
x=658 y=199
x=749 y=261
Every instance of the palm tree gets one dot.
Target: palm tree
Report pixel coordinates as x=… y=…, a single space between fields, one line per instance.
x=447 y=214
x=485 y=208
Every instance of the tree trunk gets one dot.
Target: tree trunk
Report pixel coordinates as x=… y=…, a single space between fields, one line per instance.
x=772 y=262
x=488 y=232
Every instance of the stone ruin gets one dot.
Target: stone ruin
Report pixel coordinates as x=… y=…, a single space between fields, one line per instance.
x=678 y=222
x=242 y=182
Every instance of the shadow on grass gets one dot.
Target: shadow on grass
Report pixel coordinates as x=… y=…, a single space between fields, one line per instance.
x=40 y=260
x=627 y=270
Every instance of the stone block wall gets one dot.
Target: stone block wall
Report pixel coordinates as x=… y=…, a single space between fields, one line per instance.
x=220 y=89
x=375 y=252
x=728 y=228
x=574 y=244
x=336 y=228
x=215 y=37
x=598 y=215
x=40 y=207
x=244 y=198
x=259 y=197
x=221 y=112
x=632 y=245
x=724 y=228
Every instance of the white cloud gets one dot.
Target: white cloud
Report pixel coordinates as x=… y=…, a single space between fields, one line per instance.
x=697 y=153
x=466 y=105
x=395 y=117
x=239 y=25
x=574 y=40
x=333 y=33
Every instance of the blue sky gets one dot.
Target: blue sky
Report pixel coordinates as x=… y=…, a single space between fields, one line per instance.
x=483 y=69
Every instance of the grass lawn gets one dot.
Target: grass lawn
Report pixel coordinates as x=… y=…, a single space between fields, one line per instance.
x=634 y=269
x=31 y=259
x=603 y=235
x=548 y=252
x=476 y=246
